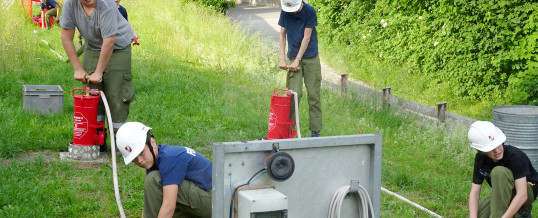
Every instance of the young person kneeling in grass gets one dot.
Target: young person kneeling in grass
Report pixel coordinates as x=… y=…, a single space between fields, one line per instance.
x=178 y=179
x=53 y=11
x=507 y=170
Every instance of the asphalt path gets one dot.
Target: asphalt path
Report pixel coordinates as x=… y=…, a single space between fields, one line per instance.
x=262 y=19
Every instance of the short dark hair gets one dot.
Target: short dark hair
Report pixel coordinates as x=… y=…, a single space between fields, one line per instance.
x=148 y=138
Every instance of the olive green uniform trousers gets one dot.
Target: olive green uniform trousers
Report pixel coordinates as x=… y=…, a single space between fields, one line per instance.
x=502 y=191
x=310 y=71
x=192 y=201
x=117 y=83
x=48 y=15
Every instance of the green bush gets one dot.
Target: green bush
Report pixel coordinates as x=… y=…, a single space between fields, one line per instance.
x=523 y=87
x=219 y=5
x=478 y=47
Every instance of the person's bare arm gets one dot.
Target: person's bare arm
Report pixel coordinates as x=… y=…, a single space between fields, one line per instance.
x=132 y=28
x=283 y=64
x=69 y=47
x=304 y=45
x=474 y=197
x=106 y=52
x=57 y=12
x=169 y=201
x=42 y=20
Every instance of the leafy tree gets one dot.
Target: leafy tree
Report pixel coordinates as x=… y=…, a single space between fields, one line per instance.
x=480 y=47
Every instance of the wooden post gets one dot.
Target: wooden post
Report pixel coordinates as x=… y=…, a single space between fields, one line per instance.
x=441 y=110
x=343 y=82
x=386 y=97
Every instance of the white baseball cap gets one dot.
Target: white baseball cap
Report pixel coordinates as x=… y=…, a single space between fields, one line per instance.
x=291 y=5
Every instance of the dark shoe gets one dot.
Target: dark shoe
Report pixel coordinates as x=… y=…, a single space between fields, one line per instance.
x=103 y=148
x=118 y=153
x=315 y=134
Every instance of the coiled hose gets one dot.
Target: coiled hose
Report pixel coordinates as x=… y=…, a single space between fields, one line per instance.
x=365 y=203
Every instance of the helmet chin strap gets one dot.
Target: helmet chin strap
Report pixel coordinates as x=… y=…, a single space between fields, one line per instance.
x=148 y=142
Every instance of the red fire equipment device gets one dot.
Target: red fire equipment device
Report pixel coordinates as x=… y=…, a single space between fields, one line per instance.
x=86 y=130
x=280 y=126
x=135 y=41
x=37 y=20
x=27 y=7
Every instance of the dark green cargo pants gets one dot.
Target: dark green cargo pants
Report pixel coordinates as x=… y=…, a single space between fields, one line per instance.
x=502 y=192
x=310 y=71
x=48 y=15
x=117 y=83
x=192 y=201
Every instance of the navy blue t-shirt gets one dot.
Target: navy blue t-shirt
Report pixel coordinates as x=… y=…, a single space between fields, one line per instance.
x=178 y=163
x=49 y=4
x=123 y=12
x=295 y=25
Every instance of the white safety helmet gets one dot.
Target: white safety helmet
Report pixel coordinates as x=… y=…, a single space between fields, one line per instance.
x=131 y=140
x=484 y=136
x=290 y=5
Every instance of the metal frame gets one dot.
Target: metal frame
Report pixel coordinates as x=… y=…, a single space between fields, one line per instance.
x=323 y=164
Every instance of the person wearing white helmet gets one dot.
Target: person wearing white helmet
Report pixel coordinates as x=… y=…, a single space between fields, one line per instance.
x=506 y=169
x=298 y=21
x=178 y=179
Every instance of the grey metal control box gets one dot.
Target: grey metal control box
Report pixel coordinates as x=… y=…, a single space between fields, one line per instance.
x=322 y=166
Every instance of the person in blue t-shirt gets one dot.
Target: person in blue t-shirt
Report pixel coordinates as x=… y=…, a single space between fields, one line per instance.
x=178 y=179
x=298 y=21
x=54 y=11
x=123 y=13
x=122 y=10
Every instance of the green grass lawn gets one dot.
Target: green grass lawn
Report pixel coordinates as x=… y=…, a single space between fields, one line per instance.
x=199 y=80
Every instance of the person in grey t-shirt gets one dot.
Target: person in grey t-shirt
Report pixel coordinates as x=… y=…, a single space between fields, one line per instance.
x=107 y=57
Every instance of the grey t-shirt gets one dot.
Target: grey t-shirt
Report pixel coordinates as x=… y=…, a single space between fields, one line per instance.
x=104 y=22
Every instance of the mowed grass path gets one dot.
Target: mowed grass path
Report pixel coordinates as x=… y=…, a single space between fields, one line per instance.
x=199 y=79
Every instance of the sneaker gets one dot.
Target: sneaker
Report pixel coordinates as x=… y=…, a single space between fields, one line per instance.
x=315 y=133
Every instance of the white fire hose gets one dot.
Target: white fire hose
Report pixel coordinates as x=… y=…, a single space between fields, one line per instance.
x=296 y=114
x=113 y=149
x=365 y=203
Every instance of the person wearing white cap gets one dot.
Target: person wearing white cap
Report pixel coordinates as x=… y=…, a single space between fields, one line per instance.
x=298 y=21
x=178 y=179
x=507 y=170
